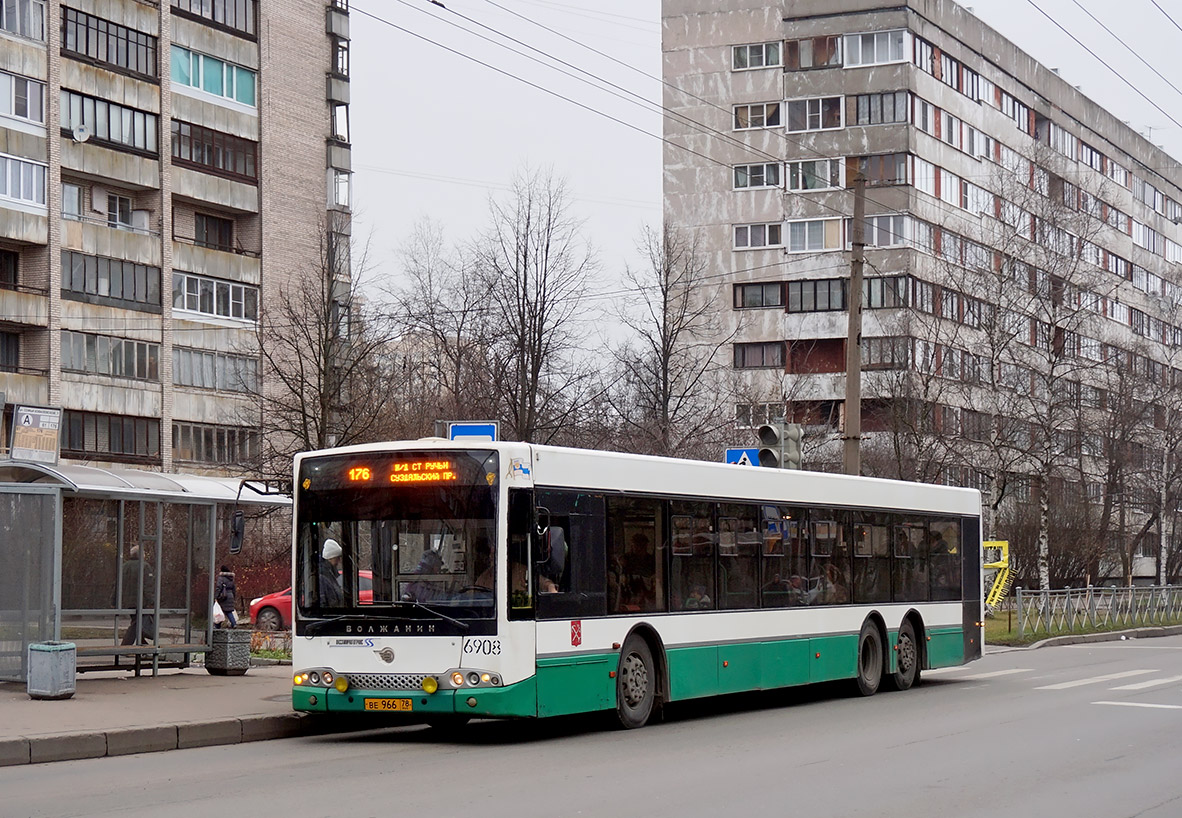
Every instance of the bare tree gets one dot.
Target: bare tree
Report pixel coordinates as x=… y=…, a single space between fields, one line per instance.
x=535 y=267
x=324 y=359
x=672 y=397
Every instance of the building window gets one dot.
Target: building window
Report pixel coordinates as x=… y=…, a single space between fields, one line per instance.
x=340 y=57
x=115 y=125
x=758 y=55
x=886 y=353
x=812 y=52
x=764 y=355
x=125 y=283
x=210 y=296
x=22 y=180
x=814 y=235
x=214 y=232
x=214 y=152
x=237 y=16
x=84 y=35
x=875 y=48
x=22 y=98
x=759 y=115
x=752 y=176
x=886 y=231
x=203 y=443
x=885 y=292
x=222 y=79
x=749 y=236
x=815 y=174
x=749 y=296
x=817 y=114
x=214 y=370
x=886 y=169
x=10 y=351
x=104 y=355
x=341 y=182
x=23 y=17
x=340 y=122
x=71 y=202
x=881 y=109
x=826 y=295
x=118 y=211
x=92 y=433
x=9 y=267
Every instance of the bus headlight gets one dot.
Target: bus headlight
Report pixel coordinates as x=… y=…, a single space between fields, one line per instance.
x=327 y=678
x=314 y=677
x=457 y=679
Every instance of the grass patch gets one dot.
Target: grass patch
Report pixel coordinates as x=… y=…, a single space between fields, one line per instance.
x=265 y=653
x=1002 y=629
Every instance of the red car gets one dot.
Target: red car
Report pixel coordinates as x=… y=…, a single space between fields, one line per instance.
x=273 y=611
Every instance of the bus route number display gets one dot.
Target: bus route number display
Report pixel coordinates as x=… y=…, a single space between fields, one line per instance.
x=423 y=471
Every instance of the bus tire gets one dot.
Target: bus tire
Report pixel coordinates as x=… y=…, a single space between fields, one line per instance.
x=906 y=659
x=636 y=684
x=870 y=659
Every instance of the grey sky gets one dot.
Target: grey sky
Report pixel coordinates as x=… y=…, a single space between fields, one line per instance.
x=434 y=133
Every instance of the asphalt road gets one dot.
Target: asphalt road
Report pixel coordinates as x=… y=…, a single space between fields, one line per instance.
x=1089 y=731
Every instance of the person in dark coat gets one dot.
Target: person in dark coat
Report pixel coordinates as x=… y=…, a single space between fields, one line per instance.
x=143 y=625
x=331 y=594
x=224 y=594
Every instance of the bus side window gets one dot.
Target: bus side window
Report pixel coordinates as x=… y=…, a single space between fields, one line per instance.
x=635 y=566
x=521 y=524
x=578 y=589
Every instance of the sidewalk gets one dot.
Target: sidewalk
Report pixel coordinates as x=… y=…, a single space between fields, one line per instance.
x=116 y=713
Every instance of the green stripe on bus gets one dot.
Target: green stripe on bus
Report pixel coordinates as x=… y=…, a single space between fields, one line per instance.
x=945 y=647
x=713 y=669
x=578 y=684
x=511 y=700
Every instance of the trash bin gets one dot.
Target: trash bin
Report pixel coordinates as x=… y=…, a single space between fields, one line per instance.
x=229 y=652
x=52 y=668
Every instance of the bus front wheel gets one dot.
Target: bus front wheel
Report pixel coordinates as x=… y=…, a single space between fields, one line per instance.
x=636 y=684
x=870 y=656
x=907 y=661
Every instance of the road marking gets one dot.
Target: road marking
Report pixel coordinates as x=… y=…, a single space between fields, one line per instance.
x=1142 y=704
x=1150 y=683
x=978 y=676
x=1096 y=679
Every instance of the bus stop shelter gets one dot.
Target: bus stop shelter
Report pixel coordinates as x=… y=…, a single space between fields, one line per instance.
x=120 y=562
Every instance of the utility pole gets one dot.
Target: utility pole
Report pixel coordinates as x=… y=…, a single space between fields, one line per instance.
x=851 y=453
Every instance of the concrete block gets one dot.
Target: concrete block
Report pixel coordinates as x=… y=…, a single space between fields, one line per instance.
x=14 y=751
x=208 y=733
x=141 y=740
x=67 y=747
x=261 y=728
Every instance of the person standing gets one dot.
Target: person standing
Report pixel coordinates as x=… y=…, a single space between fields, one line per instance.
x=143 y=625
x=331 y=595
x=225 y=594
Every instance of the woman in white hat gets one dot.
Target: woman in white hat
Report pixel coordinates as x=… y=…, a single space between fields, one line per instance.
x=331 y=595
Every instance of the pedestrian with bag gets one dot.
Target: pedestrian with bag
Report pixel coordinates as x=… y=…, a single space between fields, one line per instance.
x=224 y=594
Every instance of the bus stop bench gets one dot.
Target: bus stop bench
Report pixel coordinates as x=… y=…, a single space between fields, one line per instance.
x=143 y=655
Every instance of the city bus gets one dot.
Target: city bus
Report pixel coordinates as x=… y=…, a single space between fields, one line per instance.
x=510 y=580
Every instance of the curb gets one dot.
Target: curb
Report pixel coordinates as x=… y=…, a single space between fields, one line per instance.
x=1084 y=638
x=179 y=736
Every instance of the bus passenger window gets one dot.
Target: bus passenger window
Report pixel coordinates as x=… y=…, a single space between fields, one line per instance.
x=635 y=566
x=694 y=541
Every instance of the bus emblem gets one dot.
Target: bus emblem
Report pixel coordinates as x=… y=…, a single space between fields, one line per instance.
x=576 y=632
x=385 y=654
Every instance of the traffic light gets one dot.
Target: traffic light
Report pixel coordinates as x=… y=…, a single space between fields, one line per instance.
x=779 y=444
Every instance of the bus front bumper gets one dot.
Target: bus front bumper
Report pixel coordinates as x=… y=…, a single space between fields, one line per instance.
x=515 y=700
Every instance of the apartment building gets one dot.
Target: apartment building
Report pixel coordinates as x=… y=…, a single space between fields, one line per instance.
x=1000 y=202
x=167 y=169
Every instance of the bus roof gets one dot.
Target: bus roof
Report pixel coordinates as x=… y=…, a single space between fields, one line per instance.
x=558 y=466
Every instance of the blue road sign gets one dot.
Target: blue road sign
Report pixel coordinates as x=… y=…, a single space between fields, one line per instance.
x=743 y=457
x=472 y=431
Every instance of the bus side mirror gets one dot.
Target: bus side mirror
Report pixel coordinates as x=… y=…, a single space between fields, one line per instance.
x=237 y=527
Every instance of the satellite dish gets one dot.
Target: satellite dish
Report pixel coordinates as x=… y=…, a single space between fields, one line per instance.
x=81 y=133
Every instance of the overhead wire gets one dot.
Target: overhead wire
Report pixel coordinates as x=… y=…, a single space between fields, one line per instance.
x=1128 y=47
x=1167 y=15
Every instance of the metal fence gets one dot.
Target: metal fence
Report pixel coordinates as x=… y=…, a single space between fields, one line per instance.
x=1076 y=609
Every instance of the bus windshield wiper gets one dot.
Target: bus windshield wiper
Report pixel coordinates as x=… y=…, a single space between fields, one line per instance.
x=431 y=610
x=311 y=629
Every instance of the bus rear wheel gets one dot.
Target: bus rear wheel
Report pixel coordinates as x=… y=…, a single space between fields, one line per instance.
x=636 y=684
x=870 y=656
x=907 y=661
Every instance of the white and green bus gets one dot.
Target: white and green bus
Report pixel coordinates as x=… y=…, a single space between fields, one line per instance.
x=442 y=580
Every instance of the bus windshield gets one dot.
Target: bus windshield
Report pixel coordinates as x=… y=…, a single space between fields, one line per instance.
x=392 y=533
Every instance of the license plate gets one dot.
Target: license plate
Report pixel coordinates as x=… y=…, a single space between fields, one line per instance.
x=388 y=704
